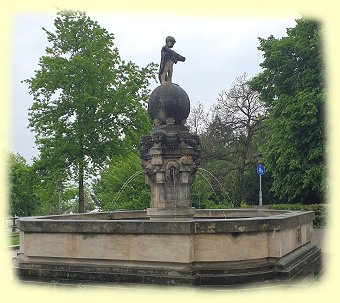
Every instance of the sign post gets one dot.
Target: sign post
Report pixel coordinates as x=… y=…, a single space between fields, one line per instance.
x=59 y=185
x=260 y=170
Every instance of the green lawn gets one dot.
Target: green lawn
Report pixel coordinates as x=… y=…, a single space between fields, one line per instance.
x=14 y=239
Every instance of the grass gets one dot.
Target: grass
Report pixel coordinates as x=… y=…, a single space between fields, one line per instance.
x=14 y=239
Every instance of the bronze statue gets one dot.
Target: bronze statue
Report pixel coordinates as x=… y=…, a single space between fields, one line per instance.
x=168 y=58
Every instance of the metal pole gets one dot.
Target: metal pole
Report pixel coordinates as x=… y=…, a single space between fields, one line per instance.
x=59 y=202
x=260 y=193
x=59 y=184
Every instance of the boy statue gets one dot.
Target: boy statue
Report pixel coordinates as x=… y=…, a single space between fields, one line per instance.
x=168 y=58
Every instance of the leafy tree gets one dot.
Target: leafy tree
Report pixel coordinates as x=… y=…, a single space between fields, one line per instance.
x=44 y=179
x=292 y=85
x=89 y=104
x=122 y=185
x=21 y=195
x=44 y=176
x=238 y=120
x=33 y=190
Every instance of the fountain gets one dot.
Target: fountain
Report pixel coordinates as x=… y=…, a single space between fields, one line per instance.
x=170 y=243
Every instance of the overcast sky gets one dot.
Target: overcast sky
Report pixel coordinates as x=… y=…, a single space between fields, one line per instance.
x=217 y=51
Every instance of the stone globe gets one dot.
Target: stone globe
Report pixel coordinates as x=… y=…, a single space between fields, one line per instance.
x=169 y=104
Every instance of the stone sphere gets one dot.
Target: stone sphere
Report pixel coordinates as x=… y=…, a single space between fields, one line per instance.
x=169 y=104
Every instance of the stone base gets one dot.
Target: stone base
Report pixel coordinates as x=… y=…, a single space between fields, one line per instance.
x=171 y=213
x=304 y=261
x=216 y=247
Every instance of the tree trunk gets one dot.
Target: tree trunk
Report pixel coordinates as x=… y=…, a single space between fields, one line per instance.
x=239 y=186
x=240 y=192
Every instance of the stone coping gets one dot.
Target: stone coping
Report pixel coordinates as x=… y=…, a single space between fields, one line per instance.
x=135 y=222
x=142 y=214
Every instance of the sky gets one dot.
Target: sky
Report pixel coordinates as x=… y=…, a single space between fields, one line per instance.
x=217 y=50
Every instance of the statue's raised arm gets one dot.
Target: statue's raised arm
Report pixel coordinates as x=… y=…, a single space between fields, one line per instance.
x=168 y=58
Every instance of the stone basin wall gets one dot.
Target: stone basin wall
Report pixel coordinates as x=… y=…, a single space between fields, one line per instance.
x=125 y=239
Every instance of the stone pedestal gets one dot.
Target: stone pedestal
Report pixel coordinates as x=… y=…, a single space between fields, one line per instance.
x=170 y=162
x=170 y=155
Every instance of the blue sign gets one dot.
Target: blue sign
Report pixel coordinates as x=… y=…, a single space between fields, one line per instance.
x=260 y=170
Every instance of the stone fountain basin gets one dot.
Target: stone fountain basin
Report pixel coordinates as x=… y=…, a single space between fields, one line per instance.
x=228 y=246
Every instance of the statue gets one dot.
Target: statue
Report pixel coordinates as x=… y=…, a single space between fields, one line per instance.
x=170 y=154
x=168 y=58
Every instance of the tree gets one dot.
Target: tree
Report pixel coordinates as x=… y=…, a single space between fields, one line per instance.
x=44 y=187
x=292 y=85
x=89 y=104
x=21 y=195
x=122 y=185
x=198 y=119
x=33 y=190
x=239 y=118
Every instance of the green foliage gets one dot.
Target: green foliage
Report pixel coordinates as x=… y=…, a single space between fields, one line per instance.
x=14 y=239
x=207 y=191
x=33 y=190
x=285 y=206
x=232 y=140
x=319 y=209
x=252 y=182
x=44 y=179
x=89 y=104
x=21 y=196
x=320 y=214
x=122 y=185
x=292 y=85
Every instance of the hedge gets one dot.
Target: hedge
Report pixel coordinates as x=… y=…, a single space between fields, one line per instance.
x=319 y=209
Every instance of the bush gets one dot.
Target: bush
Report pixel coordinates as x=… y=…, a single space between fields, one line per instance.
x=222 y=205
x=320 y=214
x=319 y=209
